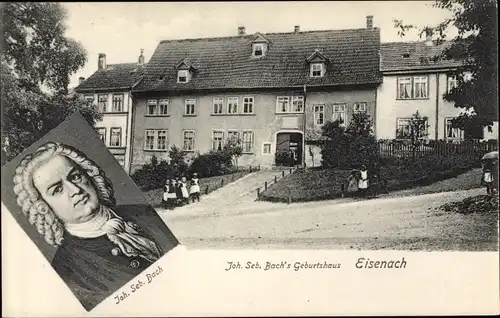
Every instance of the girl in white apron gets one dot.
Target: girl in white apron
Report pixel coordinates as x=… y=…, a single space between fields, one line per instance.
x=194 y=191
x=184 y=190
x=171 y=196
x=487 y=179
x=363 y=179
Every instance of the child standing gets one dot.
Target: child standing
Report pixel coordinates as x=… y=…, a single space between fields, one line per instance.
x=184 y=191
x=363 y=180
x=166 y=189
x=178 y=191
x=171 y=196
x=487 y=179
x=194 y=191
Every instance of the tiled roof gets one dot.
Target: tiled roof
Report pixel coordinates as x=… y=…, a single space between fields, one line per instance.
x=114 y=76
x=226 y=62
x=403 y=56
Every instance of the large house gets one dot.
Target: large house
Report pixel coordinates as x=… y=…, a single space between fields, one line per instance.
x=414 y=81
x=110 y=88
x=271 y=91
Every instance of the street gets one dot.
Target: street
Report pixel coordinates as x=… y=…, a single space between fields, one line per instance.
x=391 y=223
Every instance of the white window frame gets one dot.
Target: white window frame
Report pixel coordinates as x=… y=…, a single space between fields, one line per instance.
x=105 y=101
x=156 y=134
x=90 y=98
x=119 y=129
x=264 y=144
x=408 y=120
x=163 y=106
x=221 y=132
x=295 y=99
x=421 y=80
x=233 y=132
x=339 y=109
x=121 y=103
x=232 y=105
x=360 y=107
x=255 y=49
x=182 y=74
x=104 y=135
x=319 y=109
x=282 y=104
x=447 y=126
x=404 y=80
x=251 y=142
x=314 y=68
x=193 y=141
x=248 y=104
x=451 y=82
x=219 y=103
x=190 y=101
x=152 y=102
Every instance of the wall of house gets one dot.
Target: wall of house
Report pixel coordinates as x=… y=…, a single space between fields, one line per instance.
x=264 y=122
x=121 y=120
x=435 y=108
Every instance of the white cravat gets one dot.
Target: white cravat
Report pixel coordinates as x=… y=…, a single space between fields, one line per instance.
x=124 y=234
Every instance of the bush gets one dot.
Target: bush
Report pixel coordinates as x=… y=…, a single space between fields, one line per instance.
x=153 y=175
x=212 y=163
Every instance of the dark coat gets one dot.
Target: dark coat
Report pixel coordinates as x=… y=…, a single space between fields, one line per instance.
x=89 y=267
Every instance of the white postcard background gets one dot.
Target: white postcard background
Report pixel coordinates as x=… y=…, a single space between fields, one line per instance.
x=195 y=283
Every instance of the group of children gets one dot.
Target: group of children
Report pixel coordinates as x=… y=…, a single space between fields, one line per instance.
x=358 y=181
x=175 y=192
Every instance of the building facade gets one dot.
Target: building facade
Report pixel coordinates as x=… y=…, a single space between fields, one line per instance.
x=109 y=88
x=413 y=81
x=272 y=92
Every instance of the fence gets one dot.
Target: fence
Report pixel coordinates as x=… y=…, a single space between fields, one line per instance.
x=284 y=173
x=404 y=149
x=207 y=186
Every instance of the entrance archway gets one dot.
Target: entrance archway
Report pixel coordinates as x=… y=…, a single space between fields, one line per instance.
x=289 y=148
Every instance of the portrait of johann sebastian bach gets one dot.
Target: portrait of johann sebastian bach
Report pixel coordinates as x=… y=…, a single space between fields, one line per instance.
x=71 y=202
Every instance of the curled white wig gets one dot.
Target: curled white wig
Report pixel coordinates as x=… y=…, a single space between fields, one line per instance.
x=39 y=213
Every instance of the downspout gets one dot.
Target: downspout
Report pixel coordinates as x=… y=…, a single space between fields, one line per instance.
x=132 y=125
x=436 y=128
x=128 y=150
x=304 y=128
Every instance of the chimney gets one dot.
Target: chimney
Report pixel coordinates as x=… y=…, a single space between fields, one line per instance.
x=241 y=30
x=428 y=38
x=296 y=29
x=81 y=80
x=141 y=58
x=101 y=65
x=369 y=21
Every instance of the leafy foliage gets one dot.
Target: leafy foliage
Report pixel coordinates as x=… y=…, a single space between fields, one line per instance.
x=212 y=163
x=477 y=46
x=416 y=132
x=178 y=159
x=36 y=64
x=154 y=174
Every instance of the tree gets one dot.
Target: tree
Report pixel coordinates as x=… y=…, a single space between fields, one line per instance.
x=233 y=150
x=477 y=46
x=178 y=159
x=415 y=131
x=37 y=61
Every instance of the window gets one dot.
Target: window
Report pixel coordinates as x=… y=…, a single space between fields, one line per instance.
x=89 y=99
x=152 y=106
x=189 y=140
x=359 y=108
x=452 y=83
x=451 y=132
x=233 y=135
x=232 y=105
x=182 y=76
x=218 y=104
x=282 y=104
x=317 y=70
x=319 y=114
x=404 y=87
x=116 y=137
x=266 y=148
x=297 y=104
x=156 y=139
x=118 y=103
x=217 y=140
x=102 y=133
x=247 y=141
x=404 y=128
x=190 y=107
x=413 y=87
x=420 y=86
x=163 y=107
x=258 y=49
x=248 y=105
x=339 y=112
x=103 y=103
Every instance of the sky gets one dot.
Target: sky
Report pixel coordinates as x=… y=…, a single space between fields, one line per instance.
x=120 y=30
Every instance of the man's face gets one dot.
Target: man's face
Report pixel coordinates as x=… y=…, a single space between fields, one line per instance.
x=66 y=189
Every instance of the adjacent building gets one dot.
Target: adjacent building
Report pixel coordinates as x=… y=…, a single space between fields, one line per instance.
x=272 y=92
x=414 y=81
x=110 y=89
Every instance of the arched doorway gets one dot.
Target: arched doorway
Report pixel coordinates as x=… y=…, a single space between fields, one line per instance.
x=289 y=148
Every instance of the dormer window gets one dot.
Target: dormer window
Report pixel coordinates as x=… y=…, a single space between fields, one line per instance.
x=317 y=70
x=258 y=49
x=182 y=76
x=259 y=45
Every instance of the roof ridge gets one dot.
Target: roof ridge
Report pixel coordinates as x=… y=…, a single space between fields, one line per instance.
x=264 y=34
x=410 y=42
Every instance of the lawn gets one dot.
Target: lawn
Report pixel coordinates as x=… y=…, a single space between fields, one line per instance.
x=324 y=184
x=207 y=185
